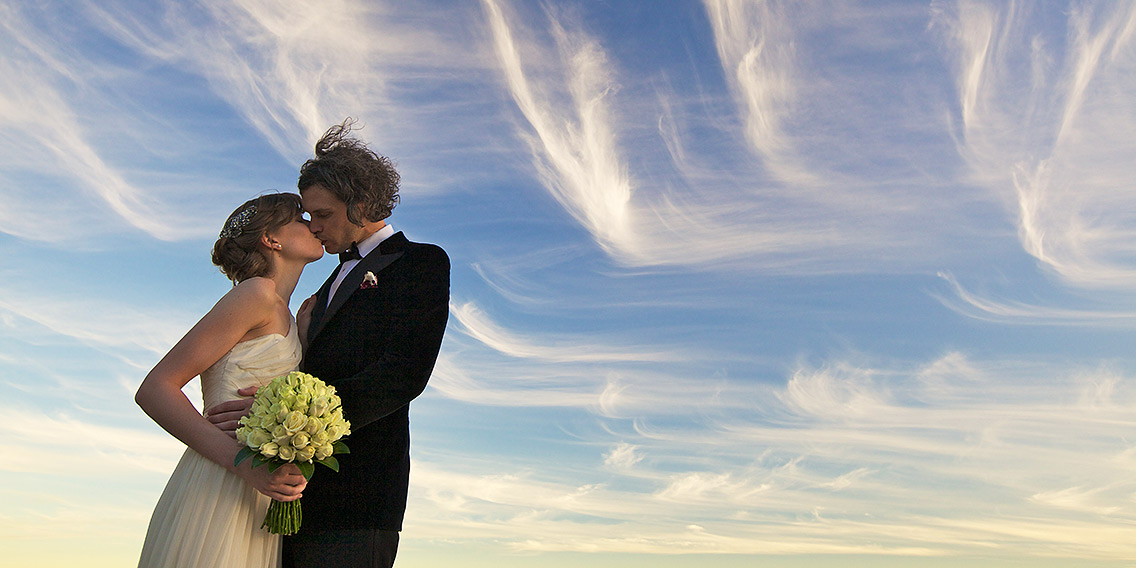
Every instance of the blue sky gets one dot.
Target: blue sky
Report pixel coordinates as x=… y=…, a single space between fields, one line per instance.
x=794 y=282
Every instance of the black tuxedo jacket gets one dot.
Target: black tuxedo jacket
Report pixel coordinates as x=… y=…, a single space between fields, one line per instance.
x=377 y=346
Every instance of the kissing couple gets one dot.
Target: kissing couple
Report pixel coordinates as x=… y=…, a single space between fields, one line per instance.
x=373 y=331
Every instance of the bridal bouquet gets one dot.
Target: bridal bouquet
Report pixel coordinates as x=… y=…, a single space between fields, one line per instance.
x=298 y=419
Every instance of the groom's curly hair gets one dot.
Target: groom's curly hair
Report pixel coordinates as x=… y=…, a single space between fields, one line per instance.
x=367 y=182
x=238 y=252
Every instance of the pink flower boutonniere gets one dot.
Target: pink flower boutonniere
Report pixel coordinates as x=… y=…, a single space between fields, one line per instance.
x=369 y=281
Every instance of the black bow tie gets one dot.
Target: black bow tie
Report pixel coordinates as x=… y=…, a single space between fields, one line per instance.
x=351 y=253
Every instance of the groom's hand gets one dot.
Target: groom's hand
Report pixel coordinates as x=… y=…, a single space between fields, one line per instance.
x=228 y=414
x=304 y=318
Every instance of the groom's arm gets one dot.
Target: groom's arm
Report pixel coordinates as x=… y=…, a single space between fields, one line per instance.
x=401 y=367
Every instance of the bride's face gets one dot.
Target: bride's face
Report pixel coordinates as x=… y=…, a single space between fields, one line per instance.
x=297 y=240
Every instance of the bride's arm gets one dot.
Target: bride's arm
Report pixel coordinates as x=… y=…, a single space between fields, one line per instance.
x=247 y=307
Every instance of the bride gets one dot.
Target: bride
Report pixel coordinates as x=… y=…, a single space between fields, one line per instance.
x=211 y=511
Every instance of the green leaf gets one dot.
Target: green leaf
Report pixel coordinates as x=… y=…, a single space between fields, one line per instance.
x=331 y=462
x=306 y=468
x=273 y=466
x=340 y=448
x=259 y=460
x=244 y=454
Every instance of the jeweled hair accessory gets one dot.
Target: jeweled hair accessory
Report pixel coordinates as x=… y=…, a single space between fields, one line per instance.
x=238 y=222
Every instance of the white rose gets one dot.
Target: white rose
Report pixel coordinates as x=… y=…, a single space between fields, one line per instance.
x=258 y=437
x=292 y=379
x=300 y=440
x=314 y=425
x=281 y=410
x=305 y=453
x=286 y=453
x=322 y=451
x=295 y=421
x=269 y=449
x=288 y=402
x=321 y=437
x=320 y=406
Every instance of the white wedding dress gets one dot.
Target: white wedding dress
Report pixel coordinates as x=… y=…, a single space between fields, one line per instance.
x=208 y=517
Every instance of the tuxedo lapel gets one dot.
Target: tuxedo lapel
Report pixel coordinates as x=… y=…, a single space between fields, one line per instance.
x=372 y=263
x=389 y=251
x=320 y=309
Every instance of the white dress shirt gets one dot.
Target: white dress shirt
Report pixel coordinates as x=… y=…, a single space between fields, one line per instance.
x=365 y=247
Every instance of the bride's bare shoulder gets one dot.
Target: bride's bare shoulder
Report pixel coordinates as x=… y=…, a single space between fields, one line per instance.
x=257 y=291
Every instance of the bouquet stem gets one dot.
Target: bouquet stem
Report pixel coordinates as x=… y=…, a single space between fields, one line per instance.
x=283 y=518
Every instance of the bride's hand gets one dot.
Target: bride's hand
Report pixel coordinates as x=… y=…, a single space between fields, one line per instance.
x=284 y=484
x=304 y=317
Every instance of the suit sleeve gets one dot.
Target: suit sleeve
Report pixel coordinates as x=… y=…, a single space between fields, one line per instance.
x=401 y=364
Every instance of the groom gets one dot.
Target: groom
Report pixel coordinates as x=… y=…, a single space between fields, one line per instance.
x=376 y=327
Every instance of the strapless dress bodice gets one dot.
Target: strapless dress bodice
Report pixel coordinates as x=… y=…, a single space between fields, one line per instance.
x=251 y=363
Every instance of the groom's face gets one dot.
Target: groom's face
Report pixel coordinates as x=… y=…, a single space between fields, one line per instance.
x=329 y=219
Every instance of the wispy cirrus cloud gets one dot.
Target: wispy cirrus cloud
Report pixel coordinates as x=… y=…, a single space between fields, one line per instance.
x=956 y=451
x=786 y=213
x=40 y=124
x=475 y=323
x=757 y=50
x=288 y=77
x=487 y=363
x=1043 y=126
x=115 y=328
x=574 y=146
x=128 y=465
x=1009 y=311
x=279 y=69
x=60 y=442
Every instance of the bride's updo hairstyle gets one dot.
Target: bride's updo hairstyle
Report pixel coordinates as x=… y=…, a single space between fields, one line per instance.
x=238 y=251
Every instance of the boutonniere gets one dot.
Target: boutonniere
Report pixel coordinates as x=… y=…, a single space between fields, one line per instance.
x=369 y=281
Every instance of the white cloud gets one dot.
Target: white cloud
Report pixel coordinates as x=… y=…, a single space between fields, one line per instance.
x=574 y=148
x=1044 y=127
x=43 y=126
x=38 y=441
x=786 y=214
x=118 y=328
x=757 y=51
x=960 y=453
x=569 y=348
x=623 y=457
x=977 y=306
